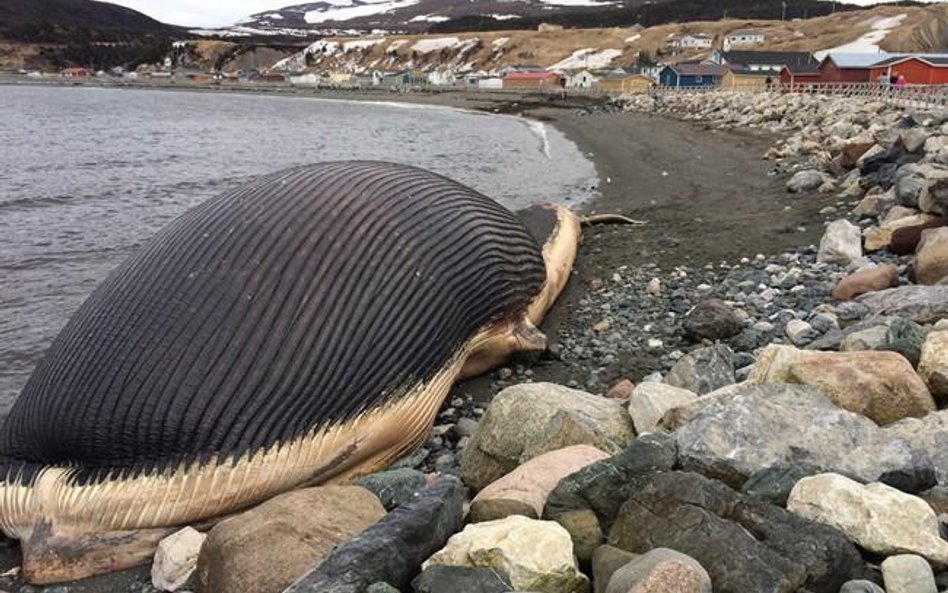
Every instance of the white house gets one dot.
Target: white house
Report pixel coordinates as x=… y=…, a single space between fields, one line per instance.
x=742 y=37
x=696 y=41
x=442 y=78
x=580 y=80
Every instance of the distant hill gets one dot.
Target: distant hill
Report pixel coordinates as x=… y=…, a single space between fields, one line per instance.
x=29 y=20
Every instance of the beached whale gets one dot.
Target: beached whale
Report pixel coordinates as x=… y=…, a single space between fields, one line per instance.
x=301 y=328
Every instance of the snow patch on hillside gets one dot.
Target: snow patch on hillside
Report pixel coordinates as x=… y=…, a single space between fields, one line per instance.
x=361 y=44
x=424 y=46
x=428 y=18
x=587 y=58
x=504 y=17
x=352 y=12
x=500 y=42
x=576 y=3
x=868 y=43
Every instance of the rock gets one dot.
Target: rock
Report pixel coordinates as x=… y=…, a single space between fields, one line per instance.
x=869 y=160
x=175 y=559
x=800 y=332
x=654 y=287
x=606 y=560
x=460 y=579
x=904 y=240
x=527 y=420
x=882 y=237
x=853 y=151
x=712 y=319
x=532 y=555
x=381 y=587
x=913 y=139
x=781 y=426
x=605 y=485
x=804 y=181
x=933 y=364
x=931 y=257
x=871 y=338
x=909 y=189
x=744 y=544
x=270 y=546
x=882 y=386
x=921 y=304
x=392 y=549
x=650 y=401
x=660 y=571
x=395 y=486
x=928 y=436
x=908 y=573
x=879 y=518
x=866 y=280
x=677 y=417
x=906 y=337
x=524 y=490
x=584 y=530
x=703 y=370
x=861 y=586
x=773 y=484
x=621 y=391
x=935 y=200
x=873 y=204
x=841 y=243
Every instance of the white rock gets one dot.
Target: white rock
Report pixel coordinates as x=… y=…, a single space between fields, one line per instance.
x=841 y=243
x=654 y=287
x=176 y=558
x=879 y=518
x=650 y=401
x=532 y=555
x=908 y=573
x=800 y=332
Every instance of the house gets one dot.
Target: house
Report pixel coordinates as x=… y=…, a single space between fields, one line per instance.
x=773 y=61
x=800 y=74
x=74 y=73
x=917 y=69
x=441 y=78
x=842 y=67
x=340 y=77
x=742 y=37
x=623 y=83
x=737 y=79
x=536 y=80
x=490 y=83
x=583 y=79
x=692 y=75
x=549 y=27
x=696 y=41
x=390 y=79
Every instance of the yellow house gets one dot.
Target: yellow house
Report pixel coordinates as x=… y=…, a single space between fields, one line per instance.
x=339 y=77
x=624 y=83
x=736 y=80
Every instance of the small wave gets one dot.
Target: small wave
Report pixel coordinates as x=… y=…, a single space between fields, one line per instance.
x=538 y=129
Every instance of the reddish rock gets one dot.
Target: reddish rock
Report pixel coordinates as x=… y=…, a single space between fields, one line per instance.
x=866 y=280
x=621 y=390
x=905 y=240
x=931 y=257
x=853 y=151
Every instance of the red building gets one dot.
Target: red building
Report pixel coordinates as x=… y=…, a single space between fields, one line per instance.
x=534 y=80
x=74 y=73
x=799 y=75
x=847 y=67
x=915 y=69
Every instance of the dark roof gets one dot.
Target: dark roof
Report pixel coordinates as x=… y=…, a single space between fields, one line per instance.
x=688 y=69
x=760 y=73
x=796 y=60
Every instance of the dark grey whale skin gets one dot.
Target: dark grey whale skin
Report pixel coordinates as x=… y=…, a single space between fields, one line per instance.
x=295 y=301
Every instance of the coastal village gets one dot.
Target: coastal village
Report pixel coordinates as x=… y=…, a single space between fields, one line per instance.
x=745 y=388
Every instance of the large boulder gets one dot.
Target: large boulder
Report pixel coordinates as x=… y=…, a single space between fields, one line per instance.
x=935 y=200
x=744 y=544
x=524 y=490
x=391 y=550
x=928 y=436
x=661 y=571
x=909 y=189
x=882 y=236
x=650 y=401
x=882 y=386
x=879 y=518
x=703 y=370
x=712 y=319
x=606 y=560
x=841 y=243
x=786 y=426
x=905 y=240
x=527 y=420
x=867 y=279
x=921 y=304
x=531 y=555
x=270 y=546
x=931 y=256
x=394 y=486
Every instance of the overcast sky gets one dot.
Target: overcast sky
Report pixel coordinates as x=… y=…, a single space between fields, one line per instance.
x=219 y=13
x=203 y=13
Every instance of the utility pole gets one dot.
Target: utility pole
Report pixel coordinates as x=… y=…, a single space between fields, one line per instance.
x=783 y=16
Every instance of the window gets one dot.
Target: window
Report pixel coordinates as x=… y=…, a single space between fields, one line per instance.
x=699 y=79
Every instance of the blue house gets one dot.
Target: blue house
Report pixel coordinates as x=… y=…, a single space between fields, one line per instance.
x=692 y=75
